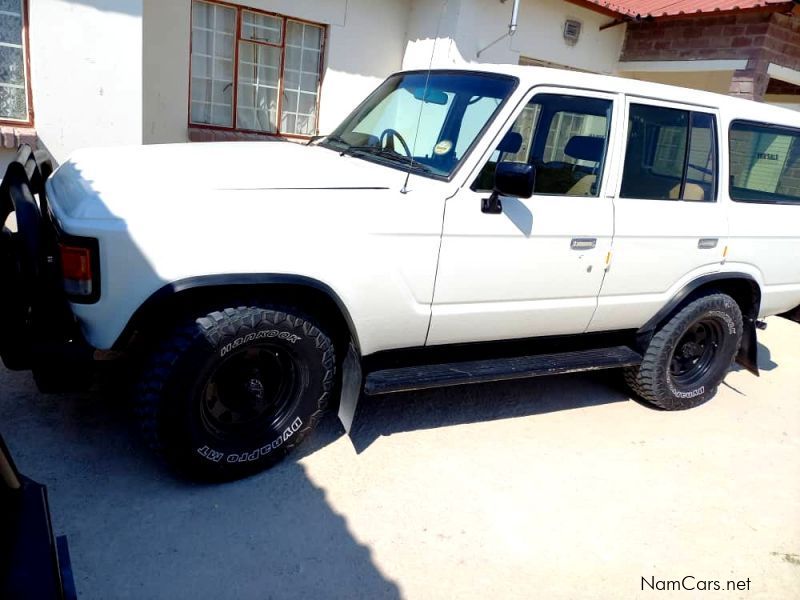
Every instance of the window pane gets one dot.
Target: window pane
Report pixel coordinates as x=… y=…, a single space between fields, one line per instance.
x=701 y=168
x=425 y=110
x=10 y=28
x=12 y=66
x=765 y=164
x=261 y=28
x=12 y=6
x=655 y=153
x=259 y=69
x=475 y=116
x=12 y=103
x=564 y=137
x=13 y=90
x=213 y=28
x=301 y=78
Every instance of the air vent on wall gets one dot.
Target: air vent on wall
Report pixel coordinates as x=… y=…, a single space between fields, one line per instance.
x=572 y=31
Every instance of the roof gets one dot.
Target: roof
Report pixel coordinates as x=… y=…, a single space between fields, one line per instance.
x=530 y=77
x=674 y=8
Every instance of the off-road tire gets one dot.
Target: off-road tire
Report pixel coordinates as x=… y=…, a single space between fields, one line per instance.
x=171 y=399
x=655 y=380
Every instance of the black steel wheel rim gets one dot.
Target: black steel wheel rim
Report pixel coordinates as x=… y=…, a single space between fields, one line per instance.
x=249 y=392
x=695 y=354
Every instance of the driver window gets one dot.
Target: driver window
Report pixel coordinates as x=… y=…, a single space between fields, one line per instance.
x=564 y=137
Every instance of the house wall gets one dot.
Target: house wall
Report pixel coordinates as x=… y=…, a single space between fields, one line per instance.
x=709 y=81
x=468 y=26
x=87 y=85
x=364 y=43
x=760 y=38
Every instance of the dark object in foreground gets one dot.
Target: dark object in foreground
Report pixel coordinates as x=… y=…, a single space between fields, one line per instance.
x=33 y=563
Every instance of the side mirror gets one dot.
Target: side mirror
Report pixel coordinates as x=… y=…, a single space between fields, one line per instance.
x=510 y=179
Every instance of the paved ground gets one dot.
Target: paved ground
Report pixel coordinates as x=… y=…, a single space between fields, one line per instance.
x=550 y=488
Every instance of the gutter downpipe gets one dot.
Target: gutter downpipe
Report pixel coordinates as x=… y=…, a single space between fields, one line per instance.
x=512 y=27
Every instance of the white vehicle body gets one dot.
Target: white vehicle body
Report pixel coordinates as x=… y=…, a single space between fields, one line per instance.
x=417 y=262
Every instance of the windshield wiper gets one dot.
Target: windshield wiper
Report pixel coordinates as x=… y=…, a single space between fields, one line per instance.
x=338 y=140
x=391 y=155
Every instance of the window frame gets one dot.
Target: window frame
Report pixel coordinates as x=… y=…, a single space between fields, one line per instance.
x=609 y=166
x=239 y=10
x=691 y=109
x=785 y=129
x=471 y=151
x=26 y=56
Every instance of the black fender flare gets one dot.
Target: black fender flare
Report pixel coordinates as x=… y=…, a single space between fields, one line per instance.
x=163 y=295
x=748 y=351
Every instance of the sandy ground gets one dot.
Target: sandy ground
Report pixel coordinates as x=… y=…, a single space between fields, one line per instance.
x=550 y=488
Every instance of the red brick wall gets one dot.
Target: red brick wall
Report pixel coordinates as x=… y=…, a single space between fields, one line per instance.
x=732 y=36
x=760 y=38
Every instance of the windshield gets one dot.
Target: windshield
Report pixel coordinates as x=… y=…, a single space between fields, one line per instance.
x=450 y=108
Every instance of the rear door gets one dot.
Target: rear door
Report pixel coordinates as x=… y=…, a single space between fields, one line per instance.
x=765 y=212
x=670 y=227
x=535 y=269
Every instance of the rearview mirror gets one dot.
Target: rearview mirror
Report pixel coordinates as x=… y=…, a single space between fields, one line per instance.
x=510 y=179
x=431 y=96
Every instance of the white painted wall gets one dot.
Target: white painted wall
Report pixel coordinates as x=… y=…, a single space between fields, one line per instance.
x=365 y=43
x=470 y=25
x=86 y=73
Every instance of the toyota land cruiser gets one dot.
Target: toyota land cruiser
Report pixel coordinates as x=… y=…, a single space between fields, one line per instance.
x=463 y=225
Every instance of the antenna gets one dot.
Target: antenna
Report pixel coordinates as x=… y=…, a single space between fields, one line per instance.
x=404 y=190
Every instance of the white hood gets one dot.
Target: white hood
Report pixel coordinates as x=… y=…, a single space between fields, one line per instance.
x=110 y=183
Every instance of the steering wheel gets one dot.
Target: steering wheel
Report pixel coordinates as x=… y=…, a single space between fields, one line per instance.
x=387 y=133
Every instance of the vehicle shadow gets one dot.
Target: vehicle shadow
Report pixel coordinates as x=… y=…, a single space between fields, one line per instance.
x=379 y=416
x=765 y=362
x=135 y=530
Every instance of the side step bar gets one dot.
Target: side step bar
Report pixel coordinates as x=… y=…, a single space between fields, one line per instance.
x=424 y=377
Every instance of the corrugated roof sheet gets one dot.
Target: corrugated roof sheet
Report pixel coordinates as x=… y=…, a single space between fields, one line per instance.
x=672 y=8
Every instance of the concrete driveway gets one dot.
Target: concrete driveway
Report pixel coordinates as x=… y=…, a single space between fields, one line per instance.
x=548 y=488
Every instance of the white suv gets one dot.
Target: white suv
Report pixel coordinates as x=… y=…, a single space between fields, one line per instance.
x=461 y=225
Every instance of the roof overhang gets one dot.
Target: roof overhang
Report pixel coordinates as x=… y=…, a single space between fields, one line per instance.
x=626 y=11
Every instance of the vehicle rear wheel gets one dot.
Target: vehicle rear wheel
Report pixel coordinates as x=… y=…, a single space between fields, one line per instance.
x=689 y=357
x=231 y=393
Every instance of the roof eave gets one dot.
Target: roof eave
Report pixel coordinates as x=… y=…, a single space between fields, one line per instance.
x=623 y=15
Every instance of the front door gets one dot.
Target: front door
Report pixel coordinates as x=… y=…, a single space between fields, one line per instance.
x=535 y=269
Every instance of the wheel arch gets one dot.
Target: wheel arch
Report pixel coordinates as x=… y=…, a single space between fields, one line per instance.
x=211 y=292
x=742 y=287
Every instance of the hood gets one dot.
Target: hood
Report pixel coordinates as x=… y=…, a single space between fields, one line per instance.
x=108 y=183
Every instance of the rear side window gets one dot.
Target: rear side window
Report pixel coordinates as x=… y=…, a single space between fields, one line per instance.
x=671 y=155
x=765 y=164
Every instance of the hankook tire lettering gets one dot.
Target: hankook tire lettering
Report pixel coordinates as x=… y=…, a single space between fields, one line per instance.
x=258 y=335
x=258 y=452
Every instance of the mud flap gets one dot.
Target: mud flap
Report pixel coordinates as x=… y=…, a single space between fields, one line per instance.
x=748 y=350
x=352 y=380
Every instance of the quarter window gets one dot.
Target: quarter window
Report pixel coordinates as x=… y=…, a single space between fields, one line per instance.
x=765 y=164
x=254 y=71
x=564 y=137
x=14 y=101
x=671 y=155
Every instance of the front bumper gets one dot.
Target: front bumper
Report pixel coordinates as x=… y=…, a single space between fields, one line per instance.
x=40 y=332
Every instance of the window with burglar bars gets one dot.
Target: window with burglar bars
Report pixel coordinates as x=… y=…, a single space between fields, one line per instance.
x=253 y=71
x=14 y=100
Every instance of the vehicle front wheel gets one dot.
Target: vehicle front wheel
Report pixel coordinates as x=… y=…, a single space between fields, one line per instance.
x=689 y=357
x=232 y=392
